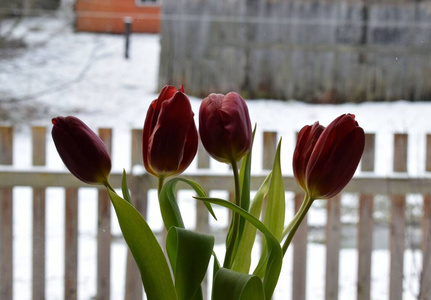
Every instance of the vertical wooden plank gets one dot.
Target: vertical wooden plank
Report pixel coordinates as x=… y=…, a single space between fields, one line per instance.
x=398 y=223
x=136 y=158
x=428 y=153
x=6 y=212
x=333 y=236
x=134 y=290
x=425 y=283
x=368 y=157
x=71 y=244
x=203 y=157
x=269 y=149
x=400 y=152
x=38 y=261
x=397 y=246
x=299 y=255
x=104 y=231
x=366 y=225
x=6 y=145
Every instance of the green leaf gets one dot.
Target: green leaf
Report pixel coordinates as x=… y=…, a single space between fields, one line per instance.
x=275 y=209
x=125 y=188
x=146 y=251
x=275 y=256
x=231 y=285
x=168 y=204
x=189 y=253
x=216 y=265
x=243 y=259
x=244 y=177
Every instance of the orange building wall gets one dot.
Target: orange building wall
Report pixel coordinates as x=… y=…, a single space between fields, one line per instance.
x=108 y=16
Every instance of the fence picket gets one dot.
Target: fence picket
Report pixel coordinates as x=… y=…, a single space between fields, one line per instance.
x=398 y=222
x=333 y=237
x=425 y=283
x=39 y=219
x=104 y=231
x=134 y=288
x=6 y=222
x=71 y=244
x=299 y=255
x=269 y=148
x=366 y=225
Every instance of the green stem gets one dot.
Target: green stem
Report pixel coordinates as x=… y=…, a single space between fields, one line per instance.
x=297 y=220
x=159 y=187
x=230 y=247
x=108 y=186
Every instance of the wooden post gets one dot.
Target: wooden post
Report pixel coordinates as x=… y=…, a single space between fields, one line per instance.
x=133 y=278
x=333 y=236
x=366 y=225
x=6 y=212
x=203 y=157
x=425 y=283
x=136 y=158
x=71 y=245
x=127 y=30
x=269 y=149
x=104 y=232
x=398 y=223
x=38 y=263
x=299 y=255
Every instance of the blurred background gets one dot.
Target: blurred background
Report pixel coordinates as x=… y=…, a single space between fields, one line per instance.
x=295 y=62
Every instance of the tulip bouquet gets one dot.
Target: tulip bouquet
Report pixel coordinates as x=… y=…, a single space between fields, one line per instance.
x=324 y=161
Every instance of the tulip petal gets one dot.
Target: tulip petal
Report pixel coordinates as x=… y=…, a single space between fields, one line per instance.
x=82 y=151
x=327 y=177
x=166 y=143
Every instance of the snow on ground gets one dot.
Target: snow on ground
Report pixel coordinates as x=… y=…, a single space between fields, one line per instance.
x=83 y=74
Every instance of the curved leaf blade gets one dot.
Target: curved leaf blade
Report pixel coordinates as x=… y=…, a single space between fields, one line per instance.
x=275 y=210
x=189 y=253
x=231 y=285
x=275 y=256
x=145 y=249
x=243 y=259
x=168 y=204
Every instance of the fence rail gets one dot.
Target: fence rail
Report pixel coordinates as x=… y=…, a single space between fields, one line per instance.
x=366 y=184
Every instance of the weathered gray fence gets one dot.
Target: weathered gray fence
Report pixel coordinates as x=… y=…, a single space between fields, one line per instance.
x=396 y=186
x=321 y=51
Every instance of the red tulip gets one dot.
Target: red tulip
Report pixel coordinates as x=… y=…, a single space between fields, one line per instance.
x=225 y=127
x=170 y=138
x=82 y=151
x=306 y=141
x=334 y=157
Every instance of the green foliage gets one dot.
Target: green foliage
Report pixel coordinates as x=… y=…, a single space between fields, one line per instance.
x=189 y=253
x=145 y=249
x=275 y=257
x=231 y=285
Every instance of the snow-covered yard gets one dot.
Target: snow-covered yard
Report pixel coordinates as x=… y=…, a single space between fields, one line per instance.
x=82 y=74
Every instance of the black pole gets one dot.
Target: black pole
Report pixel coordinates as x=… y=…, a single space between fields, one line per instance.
x=127 y=30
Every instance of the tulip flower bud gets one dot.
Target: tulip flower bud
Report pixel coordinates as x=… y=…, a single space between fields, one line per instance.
x=333 y=159
x=82 y=151
x=170 y=137
x=306 y=141
x=225 y=127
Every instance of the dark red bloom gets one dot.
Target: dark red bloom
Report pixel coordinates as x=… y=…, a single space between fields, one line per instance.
x=306 y=141
x=170 y=138
x=334 y=157
x=82 y=151
x=225 y=127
